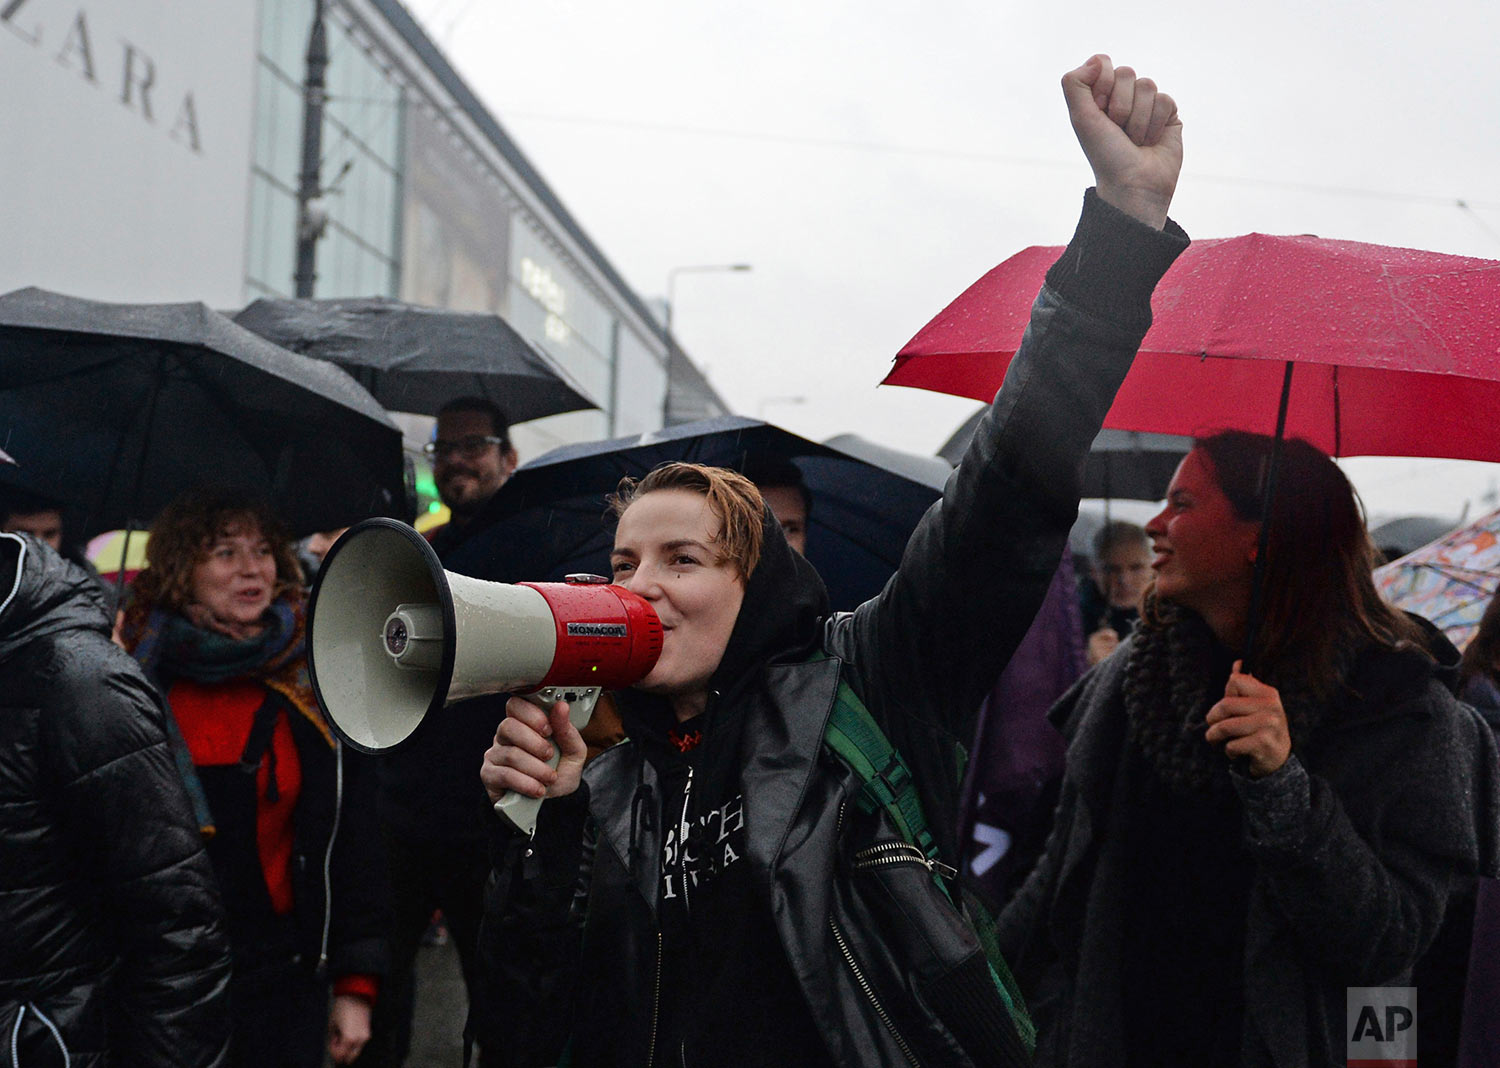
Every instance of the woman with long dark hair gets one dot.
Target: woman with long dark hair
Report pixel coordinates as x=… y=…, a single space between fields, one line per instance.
x=216 y=619
x=1237 y=846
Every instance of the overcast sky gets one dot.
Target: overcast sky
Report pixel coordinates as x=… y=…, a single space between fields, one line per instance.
x=872 y=159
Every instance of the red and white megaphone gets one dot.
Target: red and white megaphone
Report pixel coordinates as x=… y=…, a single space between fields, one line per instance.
x=393 y=638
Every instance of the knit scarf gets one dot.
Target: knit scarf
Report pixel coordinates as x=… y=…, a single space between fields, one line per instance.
x=169 y=646
x=1173 y=676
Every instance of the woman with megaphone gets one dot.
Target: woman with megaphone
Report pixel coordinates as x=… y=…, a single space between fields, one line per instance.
x=764 y=873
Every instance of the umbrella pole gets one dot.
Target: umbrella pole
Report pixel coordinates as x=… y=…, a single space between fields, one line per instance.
x=1107 y=493
x=140 y=479
x=1252 y=619
x=120 y=574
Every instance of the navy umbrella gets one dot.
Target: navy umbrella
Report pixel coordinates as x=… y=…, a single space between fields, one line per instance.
x=414 y=358
x=117 y=408
x=1122 y=464
x=549 y=519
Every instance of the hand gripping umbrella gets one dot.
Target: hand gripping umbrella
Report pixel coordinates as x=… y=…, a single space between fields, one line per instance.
x=120 y=407
x=549 y=519
x=414 y=358
x=1397 y=351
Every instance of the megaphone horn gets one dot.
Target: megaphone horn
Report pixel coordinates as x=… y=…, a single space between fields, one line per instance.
x=393 y=638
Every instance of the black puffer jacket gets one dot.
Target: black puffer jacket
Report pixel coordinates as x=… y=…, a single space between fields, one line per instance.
x=884 y=968
x=111 y=938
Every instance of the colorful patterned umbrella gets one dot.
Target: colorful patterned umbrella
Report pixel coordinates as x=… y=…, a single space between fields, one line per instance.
x=1450 y=581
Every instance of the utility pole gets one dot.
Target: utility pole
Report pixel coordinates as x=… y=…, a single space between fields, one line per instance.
x=312 y=213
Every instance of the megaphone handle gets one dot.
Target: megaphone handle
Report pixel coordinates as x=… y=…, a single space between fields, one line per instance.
x=520 y=809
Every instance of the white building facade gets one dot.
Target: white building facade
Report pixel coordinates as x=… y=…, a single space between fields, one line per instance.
x=151 y=150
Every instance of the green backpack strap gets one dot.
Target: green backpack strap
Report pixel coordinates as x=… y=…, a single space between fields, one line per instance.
x=853 y=734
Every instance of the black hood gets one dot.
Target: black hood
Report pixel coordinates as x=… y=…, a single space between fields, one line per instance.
x=781 y=617
x=42 y=594
x=780 y=621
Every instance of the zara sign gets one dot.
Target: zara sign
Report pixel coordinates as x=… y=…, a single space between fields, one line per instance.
x=125 y=173
x=134 y=72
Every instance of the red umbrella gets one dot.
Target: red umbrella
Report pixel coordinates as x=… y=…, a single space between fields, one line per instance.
x=1397 y=350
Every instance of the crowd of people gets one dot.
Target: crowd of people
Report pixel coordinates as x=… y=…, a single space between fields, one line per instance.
x=1252 y=809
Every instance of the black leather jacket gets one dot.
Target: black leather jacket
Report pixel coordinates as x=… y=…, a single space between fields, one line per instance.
x=887 y=967
x=111 y=940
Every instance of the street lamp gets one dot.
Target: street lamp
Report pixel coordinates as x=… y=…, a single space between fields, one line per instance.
x=694 y=269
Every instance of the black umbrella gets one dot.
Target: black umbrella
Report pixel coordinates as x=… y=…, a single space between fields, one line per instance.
x=1122 y=464
x=414 y=358
x=1406 y=534
x=548 y=520
x=120 y=407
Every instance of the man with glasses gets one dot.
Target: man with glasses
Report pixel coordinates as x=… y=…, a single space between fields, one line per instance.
x=433 y=810
x=472 y=458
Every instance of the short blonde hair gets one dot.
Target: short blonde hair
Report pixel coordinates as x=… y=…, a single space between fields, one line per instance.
x=732 y=496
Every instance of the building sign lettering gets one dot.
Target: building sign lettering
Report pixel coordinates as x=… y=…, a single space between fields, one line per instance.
x=135 y=73
x=538 y=281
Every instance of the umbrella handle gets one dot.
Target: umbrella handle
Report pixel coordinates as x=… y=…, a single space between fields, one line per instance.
x=520 y=810
x=1258 y=581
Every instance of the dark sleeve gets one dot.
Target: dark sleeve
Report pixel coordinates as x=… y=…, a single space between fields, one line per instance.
x=924 y=653
x=978 y=566
x=1363 y=879
x=362 y=913
x=531 y=935
x=124 y=803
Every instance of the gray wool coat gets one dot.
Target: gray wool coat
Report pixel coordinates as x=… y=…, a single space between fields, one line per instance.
x=1357 y=843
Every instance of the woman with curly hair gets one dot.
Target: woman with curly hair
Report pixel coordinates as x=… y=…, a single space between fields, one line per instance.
x=1235 y=847
x=217 y=621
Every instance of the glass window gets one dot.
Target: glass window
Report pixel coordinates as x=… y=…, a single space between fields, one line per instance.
x=640 y=394
x=285 y=161
x=255 y=251
x=265 y=114
x=272 y=251
x=555 y=310
x=420 y=214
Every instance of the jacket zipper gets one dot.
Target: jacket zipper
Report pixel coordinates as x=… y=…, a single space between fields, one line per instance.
x=655 y=1005
x=885 y=854
x=859 y=977
x=338 y=808
x=15 y=1032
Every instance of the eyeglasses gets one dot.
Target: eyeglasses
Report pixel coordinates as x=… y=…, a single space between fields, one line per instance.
x=470 y=448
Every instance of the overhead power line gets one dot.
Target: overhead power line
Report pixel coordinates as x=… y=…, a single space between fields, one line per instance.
x=1466 y=204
